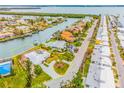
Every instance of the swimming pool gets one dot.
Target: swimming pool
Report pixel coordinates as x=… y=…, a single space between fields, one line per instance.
x=5 y=68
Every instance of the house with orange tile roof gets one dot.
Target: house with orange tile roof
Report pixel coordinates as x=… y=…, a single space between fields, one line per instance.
x=67 y=36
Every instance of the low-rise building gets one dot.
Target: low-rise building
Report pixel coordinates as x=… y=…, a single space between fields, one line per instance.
x=57 y=44
x=66 y=35
x=37 y=57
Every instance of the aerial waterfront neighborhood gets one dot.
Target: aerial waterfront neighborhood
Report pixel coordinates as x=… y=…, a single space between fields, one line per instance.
x=55 y=50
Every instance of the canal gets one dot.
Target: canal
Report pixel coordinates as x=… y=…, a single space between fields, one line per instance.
x=17 y=46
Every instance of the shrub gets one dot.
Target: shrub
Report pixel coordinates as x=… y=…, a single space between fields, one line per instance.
x=77 y=82
x=68 y=56
x=37 y=70
x=77 y=44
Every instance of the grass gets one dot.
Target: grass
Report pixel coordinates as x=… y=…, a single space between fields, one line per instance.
x=55 y=56
x=51 y=58
x=51 y=40
x=77 y=43
x=86 y=67
x=60 y=67
x=68 y=56
x=38 y=81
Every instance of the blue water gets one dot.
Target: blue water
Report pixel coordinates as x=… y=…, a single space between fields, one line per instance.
x=76 y=10
x=84 y=10
x=5 y=68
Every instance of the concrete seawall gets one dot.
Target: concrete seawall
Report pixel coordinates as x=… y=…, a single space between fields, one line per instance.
x=5 y=60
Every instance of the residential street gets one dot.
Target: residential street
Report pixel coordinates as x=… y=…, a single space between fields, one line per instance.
x=118 y=60
x=74 y=67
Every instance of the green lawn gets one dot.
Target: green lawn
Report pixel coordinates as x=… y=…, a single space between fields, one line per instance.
x=61 y=68
x=68 y=56
x=51 y=40
x=86 y=67
x=38 y=81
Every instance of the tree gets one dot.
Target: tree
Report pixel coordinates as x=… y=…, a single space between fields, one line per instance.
x=37 y=70
x=18 y=32
x=89 y=50
x=77 y=82
x=31 y=21
x=88 y=25
x=29 y=75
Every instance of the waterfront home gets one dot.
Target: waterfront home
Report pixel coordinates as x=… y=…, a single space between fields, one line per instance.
x=38 y=56
x=21 y=22
x=40 y=25
x=7 y=34
x=43 y=24
x=25 y=29
x=57 y=44
x=76 y=28
x=66 y=35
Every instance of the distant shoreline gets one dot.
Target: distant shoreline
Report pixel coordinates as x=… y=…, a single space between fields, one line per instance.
x=38 y=6
x=69 y=15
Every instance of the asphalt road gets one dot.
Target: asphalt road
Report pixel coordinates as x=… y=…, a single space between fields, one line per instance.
x=118 y=60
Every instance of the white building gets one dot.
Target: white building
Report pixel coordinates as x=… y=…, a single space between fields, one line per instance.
x=57 y=44
x=37 y=57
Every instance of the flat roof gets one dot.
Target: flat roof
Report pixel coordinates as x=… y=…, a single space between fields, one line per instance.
x=37 y=58
x=56 y=44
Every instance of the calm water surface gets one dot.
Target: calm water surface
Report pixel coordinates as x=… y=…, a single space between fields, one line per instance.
x=77 y=10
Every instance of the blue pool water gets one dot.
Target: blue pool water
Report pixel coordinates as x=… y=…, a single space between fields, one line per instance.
x=5 y=68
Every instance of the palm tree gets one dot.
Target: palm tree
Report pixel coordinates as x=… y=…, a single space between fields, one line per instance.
x=29 y=75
